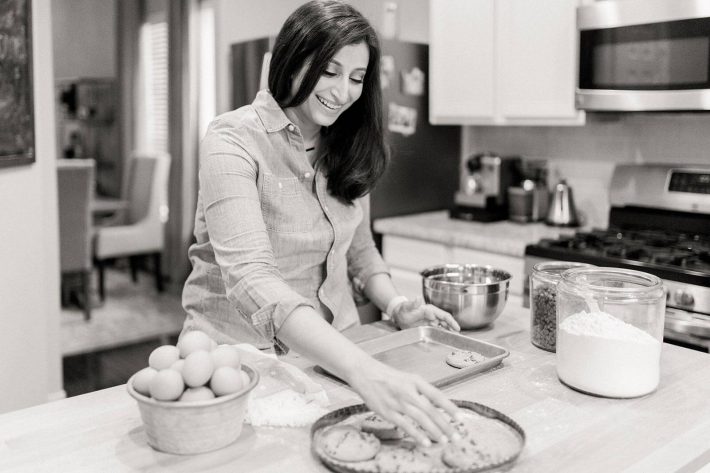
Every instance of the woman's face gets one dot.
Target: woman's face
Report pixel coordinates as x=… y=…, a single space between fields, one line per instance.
x=336 y=90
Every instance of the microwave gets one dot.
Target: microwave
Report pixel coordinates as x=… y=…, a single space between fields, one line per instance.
x=644 y=55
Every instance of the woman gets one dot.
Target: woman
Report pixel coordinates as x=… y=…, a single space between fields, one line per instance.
x=282 y=224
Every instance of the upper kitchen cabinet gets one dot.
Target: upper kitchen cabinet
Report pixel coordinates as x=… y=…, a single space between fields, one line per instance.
x=503 y=62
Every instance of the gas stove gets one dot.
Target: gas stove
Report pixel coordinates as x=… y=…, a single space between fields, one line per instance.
x=659 y=223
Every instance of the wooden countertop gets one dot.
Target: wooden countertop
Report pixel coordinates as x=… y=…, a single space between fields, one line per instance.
x=566 y=430
x=504 y=237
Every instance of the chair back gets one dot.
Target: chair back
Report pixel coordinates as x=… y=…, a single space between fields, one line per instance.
x=146 y=186
x=75 y=183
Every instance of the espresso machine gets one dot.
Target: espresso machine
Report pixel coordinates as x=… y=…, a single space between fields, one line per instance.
x=483 y=189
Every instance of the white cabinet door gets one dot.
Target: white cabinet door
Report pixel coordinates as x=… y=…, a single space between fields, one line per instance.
x=461 y=61
x=503 y=62
x=537 y=47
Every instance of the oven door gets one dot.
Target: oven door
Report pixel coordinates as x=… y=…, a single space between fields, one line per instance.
x=644 y=55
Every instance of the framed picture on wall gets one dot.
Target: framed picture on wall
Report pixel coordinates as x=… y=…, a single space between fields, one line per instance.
x=17 y=137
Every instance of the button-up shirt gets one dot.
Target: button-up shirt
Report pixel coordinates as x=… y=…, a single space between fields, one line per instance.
x=269 y=236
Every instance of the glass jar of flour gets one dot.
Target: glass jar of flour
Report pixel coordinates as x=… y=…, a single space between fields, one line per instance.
x=543 y=301
x=610 y=331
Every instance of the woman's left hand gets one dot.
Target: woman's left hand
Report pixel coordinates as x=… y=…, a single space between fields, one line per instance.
x=415 y=313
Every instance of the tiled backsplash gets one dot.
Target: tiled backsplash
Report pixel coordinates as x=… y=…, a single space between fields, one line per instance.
x=586 y=156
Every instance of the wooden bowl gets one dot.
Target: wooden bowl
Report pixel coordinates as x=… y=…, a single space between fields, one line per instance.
x=187 y=428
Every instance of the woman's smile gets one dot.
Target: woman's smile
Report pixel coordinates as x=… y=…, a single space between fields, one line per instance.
x=328 y=104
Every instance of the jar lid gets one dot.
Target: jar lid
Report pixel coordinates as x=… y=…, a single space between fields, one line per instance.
x=617 y=283
x=552 y=270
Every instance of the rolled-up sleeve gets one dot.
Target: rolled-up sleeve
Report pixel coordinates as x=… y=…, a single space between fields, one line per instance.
x=364 y=260
x=238 y=235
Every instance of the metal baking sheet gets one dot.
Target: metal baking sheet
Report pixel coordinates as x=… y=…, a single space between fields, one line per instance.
x=345 y=414
x=423 y=350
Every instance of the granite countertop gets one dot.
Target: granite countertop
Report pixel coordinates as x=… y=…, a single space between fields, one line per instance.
x=504 y=237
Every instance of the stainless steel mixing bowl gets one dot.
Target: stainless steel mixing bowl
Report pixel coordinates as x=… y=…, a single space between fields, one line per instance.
x=474 y=294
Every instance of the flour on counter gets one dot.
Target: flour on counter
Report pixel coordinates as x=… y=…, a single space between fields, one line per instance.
x=283 y=409
x=601 y=354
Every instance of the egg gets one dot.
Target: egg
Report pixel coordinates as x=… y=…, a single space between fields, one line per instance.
x=226 y=355
x=166 y=385
x=193 y=341
x=162 y=357
x=226 y=380
x=142 y=379
x=198 y=368
x=203 y=393
x=177 y=366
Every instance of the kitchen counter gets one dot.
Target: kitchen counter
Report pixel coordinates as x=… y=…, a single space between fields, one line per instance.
x=566 y=430
x=504 y=237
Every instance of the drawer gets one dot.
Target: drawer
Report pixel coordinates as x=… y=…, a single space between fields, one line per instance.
x=413 y=255
x=512 y=264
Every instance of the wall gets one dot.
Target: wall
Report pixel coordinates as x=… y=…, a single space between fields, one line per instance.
x=84 y=38
x=586 y=155
x=30 y=356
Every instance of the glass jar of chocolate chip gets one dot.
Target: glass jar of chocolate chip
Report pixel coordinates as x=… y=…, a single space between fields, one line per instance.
x=543 y=301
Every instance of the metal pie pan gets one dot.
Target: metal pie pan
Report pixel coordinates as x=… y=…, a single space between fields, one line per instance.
x=345 y=413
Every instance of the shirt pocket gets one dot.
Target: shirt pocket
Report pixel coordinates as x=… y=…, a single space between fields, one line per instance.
x=284 y=205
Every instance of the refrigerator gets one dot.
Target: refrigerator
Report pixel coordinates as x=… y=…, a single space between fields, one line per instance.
x=424 y=169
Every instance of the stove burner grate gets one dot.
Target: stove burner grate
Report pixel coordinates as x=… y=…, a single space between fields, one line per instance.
x=654 y=247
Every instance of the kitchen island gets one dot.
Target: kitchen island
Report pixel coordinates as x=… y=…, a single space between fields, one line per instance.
x=566 y=431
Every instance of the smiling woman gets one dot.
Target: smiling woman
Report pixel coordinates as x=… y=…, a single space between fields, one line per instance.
x=325 y=66
x=283 y=242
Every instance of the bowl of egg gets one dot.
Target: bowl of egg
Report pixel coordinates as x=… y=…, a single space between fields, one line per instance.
x=193 y=396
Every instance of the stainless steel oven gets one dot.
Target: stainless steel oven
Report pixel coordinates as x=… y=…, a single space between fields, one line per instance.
x=659 y=223
x=644 y=55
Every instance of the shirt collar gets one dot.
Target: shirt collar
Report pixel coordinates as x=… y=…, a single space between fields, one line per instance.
x=269 y=112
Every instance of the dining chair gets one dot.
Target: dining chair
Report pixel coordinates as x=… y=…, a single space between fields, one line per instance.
x=141 y=232
x=75 y=183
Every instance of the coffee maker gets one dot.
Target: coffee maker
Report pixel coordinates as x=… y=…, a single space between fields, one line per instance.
x=483 y=189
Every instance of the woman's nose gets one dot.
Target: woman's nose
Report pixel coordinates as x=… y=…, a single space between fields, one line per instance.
x=341 y=90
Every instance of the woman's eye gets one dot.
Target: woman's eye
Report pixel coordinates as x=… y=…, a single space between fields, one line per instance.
x=357 y=80
x=330 y=73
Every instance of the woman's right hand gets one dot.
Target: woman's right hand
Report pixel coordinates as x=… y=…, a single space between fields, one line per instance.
x=406 y=400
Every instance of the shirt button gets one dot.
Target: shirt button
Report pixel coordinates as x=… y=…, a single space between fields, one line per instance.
x=320 y=292
x=291 y=127
x=307 y=175
x=332 y=252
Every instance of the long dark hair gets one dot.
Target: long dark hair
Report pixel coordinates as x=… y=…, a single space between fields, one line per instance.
x=354 y=155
